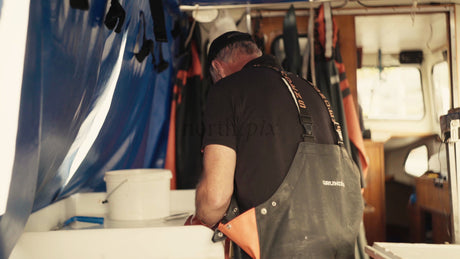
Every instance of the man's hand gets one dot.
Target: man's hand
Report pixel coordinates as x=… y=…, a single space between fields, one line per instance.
x=214 y=192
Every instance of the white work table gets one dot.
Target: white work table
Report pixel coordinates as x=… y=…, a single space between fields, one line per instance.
x=160 y=238
x=381 y=250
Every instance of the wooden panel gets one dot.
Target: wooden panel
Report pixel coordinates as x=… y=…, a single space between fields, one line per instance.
x=347 y=41
x=374 y=193
x=441 y=228
x=272 y=27
x=435 y=198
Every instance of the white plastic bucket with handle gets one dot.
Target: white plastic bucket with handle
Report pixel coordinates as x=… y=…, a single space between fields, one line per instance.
x=138 y=194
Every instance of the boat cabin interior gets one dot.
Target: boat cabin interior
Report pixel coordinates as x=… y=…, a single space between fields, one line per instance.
x=100 y=86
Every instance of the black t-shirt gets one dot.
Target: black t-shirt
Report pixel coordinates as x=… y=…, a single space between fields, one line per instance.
x=253 y=112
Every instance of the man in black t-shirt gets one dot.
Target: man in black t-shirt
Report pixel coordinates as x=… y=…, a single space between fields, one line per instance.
x=252 y=127
x=272 y=142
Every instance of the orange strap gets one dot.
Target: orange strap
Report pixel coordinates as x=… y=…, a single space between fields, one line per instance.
x=353 y=127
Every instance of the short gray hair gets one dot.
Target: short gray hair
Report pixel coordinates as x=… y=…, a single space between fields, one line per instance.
x=228 y=53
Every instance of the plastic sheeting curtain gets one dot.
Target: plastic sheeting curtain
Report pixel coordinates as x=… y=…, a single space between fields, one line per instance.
x=88 y=105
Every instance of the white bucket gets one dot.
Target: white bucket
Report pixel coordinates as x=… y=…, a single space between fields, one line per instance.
x=138 y=194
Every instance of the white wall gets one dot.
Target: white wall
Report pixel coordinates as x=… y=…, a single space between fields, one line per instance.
x=14 y=18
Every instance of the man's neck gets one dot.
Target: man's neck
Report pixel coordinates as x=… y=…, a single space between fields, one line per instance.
x=241 y=61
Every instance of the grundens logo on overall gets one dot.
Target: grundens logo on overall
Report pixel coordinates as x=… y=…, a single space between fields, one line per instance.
x=333 y=183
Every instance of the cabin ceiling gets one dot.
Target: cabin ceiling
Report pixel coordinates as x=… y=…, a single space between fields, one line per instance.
x=394 y=33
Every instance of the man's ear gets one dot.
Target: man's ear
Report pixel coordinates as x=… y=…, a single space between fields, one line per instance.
x=218 y=67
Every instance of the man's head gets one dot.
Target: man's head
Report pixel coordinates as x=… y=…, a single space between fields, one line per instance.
x=229 y=52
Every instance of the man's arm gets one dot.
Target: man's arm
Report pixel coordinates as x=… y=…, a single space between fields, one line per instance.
x=214 y=192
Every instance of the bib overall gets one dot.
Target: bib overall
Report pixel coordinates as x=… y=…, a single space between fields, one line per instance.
x=316 y=211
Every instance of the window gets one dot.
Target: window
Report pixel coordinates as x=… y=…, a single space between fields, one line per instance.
x=441 y=85
x=392 y=93
x=417 y=161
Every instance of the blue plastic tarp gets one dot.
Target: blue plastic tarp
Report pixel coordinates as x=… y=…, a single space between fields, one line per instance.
x=87 y=106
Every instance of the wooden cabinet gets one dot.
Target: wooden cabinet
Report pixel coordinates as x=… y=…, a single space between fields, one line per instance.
x=433 y=204
x=374 y=193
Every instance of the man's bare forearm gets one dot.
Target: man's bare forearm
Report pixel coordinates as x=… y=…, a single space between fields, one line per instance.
x=214 y=192
x=209 y=209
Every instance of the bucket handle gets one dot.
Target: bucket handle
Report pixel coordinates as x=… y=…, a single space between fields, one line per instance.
x=114 y=189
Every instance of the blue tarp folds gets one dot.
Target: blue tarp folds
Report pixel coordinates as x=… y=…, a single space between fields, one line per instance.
x=87 y=105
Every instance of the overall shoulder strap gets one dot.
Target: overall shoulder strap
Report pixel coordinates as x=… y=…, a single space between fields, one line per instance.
x=304 y=114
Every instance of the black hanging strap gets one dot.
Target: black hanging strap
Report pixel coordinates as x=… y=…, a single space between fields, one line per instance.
x=162 y=64
x=293 y=60
x=159 y=30
x=258 y=34
x=147 y=44
x=115 y=16
x=158 y=16
x=79 y=4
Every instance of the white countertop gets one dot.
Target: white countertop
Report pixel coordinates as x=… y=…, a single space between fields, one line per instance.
x=159 y=238
x=381 y=250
